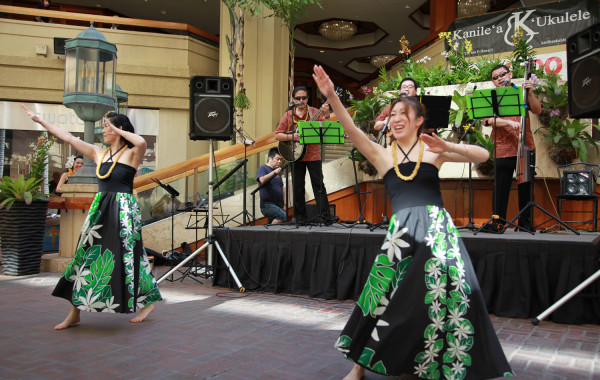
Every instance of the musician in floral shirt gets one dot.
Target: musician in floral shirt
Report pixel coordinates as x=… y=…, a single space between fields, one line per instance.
x=507 y=130
x=287 y=131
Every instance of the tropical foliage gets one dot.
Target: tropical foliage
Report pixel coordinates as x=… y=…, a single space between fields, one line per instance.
x=27 y=187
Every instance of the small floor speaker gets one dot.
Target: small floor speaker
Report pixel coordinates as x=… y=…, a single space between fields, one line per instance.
x=211 y=108
x=312 y=212
x=583 y=66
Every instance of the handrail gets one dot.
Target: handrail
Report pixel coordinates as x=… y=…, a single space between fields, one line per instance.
x=108 y=19
x=200 y=163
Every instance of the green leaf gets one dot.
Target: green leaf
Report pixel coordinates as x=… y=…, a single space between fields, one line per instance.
x=377 y=284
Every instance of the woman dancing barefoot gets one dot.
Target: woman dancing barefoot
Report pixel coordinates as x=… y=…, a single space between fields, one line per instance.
x=110 y=271
x=421 y=311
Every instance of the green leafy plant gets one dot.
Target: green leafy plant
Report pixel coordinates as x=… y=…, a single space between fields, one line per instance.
x=569 y=134
x=27 y=187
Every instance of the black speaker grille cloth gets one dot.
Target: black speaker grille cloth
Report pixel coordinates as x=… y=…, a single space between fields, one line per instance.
x=585 y=80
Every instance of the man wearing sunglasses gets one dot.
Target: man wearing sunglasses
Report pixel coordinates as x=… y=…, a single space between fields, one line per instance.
x=506 y=132
x=407 y=87
x=297 y=112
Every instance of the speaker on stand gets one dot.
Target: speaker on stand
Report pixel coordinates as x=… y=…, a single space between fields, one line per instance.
x=211 y=108
x=583 y=66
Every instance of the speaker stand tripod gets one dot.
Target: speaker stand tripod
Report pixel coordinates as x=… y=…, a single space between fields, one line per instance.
x=211 y=240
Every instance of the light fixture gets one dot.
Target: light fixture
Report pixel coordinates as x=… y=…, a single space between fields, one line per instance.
x=381 y=60
x=337 y=30
x=90 y=62
x=466 y=8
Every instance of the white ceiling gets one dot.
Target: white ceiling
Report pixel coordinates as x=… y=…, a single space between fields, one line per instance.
x=390 y=15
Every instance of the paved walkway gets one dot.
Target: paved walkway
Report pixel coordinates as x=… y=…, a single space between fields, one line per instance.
x=204 y=332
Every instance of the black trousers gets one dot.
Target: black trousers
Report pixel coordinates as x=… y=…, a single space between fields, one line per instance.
x=505 y=168
x=315 y=171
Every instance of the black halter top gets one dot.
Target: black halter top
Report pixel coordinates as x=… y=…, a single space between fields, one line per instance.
x=119 y=181
x=423 y=190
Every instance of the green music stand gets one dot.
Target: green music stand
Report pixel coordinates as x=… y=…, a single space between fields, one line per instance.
x=320 y=132
x=496 y=102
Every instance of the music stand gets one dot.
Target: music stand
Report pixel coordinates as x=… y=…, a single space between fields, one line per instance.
x=496 y=102
x=320 y=132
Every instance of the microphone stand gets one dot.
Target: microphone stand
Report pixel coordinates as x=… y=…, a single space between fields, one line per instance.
x=173 y=193
x=384 y=219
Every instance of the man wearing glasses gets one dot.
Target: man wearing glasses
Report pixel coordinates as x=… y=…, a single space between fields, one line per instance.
x=287 y=131
x=408 y=87
x=506 y=132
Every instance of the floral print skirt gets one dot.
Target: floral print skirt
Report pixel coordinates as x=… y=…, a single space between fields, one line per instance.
x=110 y=271
x=421 y=311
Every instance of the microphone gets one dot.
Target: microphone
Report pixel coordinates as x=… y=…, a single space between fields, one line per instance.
x=403 y=93
x=295 y=104
x=506 y=82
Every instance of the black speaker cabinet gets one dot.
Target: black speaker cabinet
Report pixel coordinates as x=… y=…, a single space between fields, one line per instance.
x=211 y=108
x=583 y=66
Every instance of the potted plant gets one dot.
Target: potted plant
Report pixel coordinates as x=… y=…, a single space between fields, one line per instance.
x=23 y=209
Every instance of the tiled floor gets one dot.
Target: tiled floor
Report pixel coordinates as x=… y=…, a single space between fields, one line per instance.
x=212 y=333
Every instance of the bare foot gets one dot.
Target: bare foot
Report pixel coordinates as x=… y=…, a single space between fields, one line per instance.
x=71 y=319
x=357 y=373
x=142 y=314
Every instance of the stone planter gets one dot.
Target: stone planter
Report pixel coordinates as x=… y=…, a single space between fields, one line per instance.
x=22 y=237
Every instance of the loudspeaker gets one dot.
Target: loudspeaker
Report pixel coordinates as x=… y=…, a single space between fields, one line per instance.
x=211 y=108
x=312 y=212
x=578 y=182
x=583 y=66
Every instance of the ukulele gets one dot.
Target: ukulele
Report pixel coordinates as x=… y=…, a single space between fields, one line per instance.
x=293 y=150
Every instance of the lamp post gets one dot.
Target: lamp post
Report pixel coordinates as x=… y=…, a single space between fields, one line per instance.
x=122 y=98
x=89 y=86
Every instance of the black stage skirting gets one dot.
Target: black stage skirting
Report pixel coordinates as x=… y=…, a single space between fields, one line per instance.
x=520 y=274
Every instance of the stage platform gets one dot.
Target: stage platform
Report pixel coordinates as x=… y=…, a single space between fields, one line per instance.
x=520 y=274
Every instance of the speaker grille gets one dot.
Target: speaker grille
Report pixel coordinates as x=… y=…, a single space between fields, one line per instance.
x=212 y=115
x=583 y=64
x=211 y=108
x=578 y=182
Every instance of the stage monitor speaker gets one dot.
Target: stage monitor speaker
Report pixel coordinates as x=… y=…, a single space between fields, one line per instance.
x=578 y=182
x=211 y=108
x=312 y=212
x=583 y=66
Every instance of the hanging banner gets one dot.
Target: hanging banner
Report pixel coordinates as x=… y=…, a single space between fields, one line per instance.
x=543 y=25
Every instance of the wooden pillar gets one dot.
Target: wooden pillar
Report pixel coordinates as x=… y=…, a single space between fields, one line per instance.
x=443 y=12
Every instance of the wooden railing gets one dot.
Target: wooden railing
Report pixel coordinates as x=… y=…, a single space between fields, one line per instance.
x=199 y=164
x=109 y=20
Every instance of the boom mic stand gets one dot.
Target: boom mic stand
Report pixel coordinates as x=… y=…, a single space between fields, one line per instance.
x=384 y=219
x=211 y=240
x=361 y=217
x=247 y=142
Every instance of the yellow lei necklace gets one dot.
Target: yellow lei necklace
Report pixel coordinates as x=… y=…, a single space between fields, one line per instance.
x=416 y=170
x=120 y=151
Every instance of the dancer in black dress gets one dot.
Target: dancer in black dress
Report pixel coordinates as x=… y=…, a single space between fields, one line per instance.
x=110 y=271
x=421 y=311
